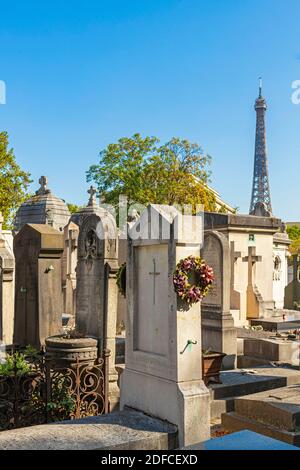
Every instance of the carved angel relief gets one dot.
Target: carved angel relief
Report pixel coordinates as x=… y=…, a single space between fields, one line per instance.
x=90 y=247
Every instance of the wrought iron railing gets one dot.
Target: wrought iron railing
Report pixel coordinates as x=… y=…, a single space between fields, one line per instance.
x=48 y=393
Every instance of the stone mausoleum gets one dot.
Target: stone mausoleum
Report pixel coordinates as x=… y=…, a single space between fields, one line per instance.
x=43 y=208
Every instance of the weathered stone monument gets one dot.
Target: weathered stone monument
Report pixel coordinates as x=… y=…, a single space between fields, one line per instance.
x=69 y=263
x=43 y=208
x=280 y=265
x=7 y=266
x=218 y=331
x=251 y=290
x=163 y=374
x=96 y=290
x=38 y=250
x=292 y=290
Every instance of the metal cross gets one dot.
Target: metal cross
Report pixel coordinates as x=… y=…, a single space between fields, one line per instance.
x=154 y=273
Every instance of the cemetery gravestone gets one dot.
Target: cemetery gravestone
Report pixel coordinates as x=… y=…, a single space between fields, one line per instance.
x=96 y=290
x=7 y=266
x=218 y=331
x=163 y=375
x=292 y=290
x=38 y=250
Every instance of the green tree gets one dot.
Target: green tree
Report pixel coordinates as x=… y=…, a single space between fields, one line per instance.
x=294 y=234
x=146 y=172
x=73 y=207
x=14 y=182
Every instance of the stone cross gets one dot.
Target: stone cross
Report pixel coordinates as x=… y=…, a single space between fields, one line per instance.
x=235 y=296
x=154 y=273
x=251 y=259
x=92 y=192
x=234 y=256
x=43 y=182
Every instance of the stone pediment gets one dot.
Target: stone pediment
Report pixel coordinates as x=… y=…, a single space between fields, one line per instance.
x=159 y=221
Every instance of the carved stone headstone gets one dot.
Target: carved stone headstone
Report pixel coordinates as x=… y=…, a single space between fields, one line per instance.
x=218 y=331
x=163 y=336
x=96 y=290
x=38 y=250
x=7 y=266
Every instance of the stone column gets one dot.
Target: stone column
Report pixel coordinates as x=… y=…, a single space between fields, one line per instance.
x=7 y=266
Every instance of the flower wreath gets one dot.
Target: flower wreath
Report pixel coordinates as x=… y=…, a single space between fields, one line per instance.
x=121 y=279
x=203 y=275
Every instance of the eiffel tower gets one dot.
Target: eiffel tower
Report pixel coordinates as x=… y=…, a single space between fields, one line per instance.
x=261 y=198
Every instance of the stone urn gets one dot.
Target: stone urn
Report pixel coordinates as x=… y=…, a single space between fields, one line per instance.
x=211 y=366
x=64 y=351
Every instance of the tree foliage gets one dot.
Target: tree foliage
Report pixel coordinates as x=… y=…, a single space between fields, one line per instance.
x=73 y=207
x=293 y=232
x=147 y=172
x=14 y=182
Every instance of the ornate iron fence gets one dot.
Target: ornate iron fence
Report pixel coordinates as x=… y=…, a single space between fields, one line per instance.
x=47 y=393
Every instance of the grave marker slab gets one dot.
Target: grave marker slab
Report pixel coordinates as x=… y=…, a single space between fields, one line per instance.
x=163 y=375
x=96 y=290
x=38 y=250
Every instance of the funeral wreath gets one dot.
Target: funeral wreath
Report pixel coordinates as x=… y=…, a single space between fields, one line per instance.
x=192 y=279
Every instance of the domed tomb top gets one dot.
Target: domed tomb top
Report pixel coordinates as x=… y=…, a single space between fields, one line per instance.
x=43 y=208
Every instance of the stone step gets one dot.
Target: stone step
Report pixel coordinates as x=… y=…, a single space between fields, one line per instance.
x=218 y=407
x=284 y=320
x=125 y=430
x=234 y=422
x=273 y=349
x=238 y=384
x=245 y=362
x=279 y=408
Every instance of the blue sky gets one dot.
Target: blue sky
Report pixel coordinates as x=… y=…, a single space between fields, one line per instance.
x=79 y=75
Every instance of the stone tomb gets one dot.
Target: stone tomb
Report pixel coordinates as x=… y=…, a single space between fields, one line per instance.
x=252 y=262
x=96 y=290
x=218 y=331
x=43 y=208
x=163 y=374
x=292 y=290
x=280 y=266
x=274 y=413
x=7 y=267
x=38 y=296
